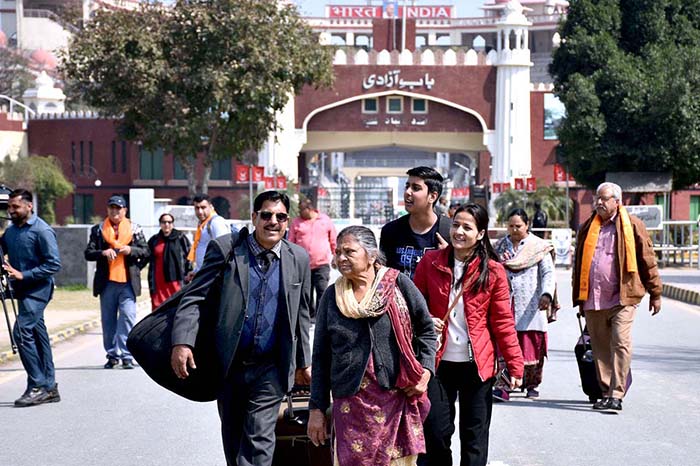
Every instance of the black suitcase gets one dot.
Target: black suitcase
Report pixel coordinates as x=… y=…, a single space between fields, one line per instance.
x=293 y=447
x=586 y=365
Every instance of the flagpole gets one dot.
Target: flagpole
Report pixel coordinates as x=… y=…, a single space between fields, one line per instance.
x=403 y=27
x=250 y=189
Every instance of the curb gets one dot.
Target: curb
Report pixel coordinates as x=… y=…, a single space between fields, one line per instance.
x=681 y=294
x=72 y=331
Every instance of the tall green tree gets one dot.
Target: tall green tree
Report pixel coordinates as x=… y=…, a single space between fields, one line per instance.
x=628 y=72
x=198 y=79
x=41 y=175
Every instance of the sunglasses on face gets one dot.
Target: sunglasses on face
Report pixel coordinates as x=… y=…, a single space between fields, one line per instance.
x=166 y=222
x=267 y=216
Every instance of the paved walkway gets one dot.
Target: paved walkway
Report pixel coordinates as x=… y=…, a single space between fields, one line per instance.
x=682 y=284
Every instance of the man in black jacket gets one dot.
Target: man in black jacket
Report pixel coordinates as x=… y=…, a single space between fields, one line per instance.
x=262 y=330
x=118 y=246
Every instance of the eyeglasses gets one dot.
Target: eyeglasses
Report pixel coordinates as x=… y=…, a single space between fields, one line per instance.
x=267 y=216
x=165 y=222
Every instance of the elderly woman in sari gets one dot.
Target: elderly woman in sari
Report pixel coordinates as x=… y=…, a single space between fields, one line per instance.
x=374 y=350
x=530 y=269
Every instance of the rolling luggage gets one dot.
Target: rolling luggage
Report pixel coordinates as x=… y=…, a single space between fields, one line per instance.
x=586 y=365
x=293 y=447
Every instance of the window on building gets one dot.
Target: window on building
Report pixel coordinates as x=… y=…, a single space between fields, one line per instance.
x=124 y=158
x=151 y=164
x=221 y=169
x=82 y=157
x=114 y=156
x=72 y=157
x=370 y=105
x=419 y=106
x=694 y=208
x=83 y=208
x=91 y=158
x=179 y=172
x=394 y=105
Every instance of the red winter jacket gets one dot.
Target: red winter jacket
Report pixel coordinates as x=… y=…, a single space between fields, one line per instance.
x=487 y=312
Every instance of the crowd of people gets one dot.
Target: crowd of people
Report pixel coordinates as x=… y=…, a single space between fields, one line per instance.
x=430 y=316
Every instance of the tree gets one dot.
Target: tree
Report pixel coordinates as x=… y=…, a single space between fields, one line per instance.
x=628 y=72
x=200 y=79
x=43 y=176
x=553 y=201
x=14 y=75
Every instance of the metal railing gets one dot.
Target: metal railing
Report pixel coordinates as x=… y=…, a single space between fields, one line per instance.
x=26 y=110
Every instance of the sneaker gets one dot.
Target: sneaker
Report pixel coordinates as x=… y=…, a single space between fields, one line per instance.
x=500 y=395
x=32 y=397
x=615 y=404
x=111 y=363
x=53 y=395
x=602 y=404
x=127 y=364
x=532 y=393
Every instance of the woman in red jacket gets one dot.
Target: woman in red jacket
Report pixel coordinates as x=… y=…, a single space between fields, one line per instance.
x=468 y=296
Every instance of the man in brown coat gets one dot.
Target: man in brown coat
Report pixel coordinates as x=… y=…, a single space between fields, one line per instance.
x=615 y=267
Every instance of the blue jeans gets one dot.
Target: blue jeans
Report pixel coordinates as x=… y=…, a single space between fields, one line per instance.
x=118 y=308
x=33 y=343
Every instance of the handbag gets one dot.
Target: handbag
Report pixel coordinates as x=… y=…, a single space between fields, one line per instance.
x=150 y=344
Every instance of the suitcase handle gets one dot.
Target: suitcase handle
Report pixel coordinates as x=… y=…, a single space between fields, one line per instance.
x=588 y=354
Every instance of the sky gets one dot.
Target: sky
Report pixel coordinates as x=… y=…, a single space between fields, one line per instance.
x=465 y=8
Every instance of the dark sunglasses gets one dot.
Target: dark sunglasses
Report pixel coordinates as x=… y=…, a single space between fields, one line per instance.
x=165 y=222
x=267 y=216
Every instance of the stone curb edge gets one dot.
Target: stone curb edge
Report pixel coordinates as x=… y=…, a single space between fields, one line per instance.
x=681 y=294
x=71 y=331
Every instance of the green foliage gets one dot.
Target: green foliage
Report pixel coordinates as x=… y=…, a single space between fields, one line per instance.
x=200 y=78
x=628 y=72
x=43 y=176
x=14 y=75
x=552 y=200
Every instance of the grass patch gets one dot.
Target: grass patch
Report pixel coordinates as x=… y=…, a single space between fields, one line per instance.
x=72 y=288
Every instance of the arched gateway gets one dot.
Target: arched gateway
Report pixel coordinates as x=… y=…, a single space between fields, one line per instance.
x=389 y=111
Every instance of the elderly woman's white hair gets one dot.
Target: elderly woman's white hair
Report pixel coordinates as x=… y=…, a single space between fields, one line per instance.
x=615 y=188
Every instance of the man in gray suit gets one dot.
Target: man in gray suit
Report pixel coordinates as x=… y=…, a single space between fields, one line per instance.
x=262 y=330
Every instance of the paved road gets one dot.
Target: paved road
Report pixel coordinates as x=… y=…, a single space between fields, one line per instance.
x=120 y=418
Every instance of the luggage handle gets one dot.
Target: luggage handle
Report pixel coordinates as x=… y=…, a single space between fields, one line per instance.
x=289 y=412
x=588 y=354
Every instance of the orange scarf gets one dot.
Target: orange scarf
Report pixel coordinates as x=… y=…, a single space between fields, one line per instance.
x=198 y=235
x=117 y=267
x=590 y=244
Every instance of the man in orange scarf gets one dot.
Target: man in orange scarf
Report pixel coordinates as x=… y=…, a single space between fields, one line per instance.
x=119 y=248
x=211 y=225
x=615 y=267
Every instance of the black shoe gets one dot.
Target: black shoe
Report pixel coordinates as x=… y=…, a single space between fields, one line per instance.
x=53 y=395
x=33 y=397
x=111 y=363
x=602 y=404
x=615 y=404
x=127 y=364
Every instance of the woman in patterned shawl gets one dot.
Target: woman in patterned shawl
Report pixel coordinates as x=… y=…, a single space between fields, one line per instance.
x=374 y=350
x=528 y=263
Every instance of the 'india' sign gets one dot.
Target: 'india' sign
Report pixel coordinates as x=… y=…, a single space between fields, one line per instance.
x=412 y=12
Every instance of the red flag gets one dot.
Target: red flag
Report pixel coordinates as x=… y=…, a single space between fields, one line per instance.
x=281 y=182
x=258 y=174
x=497 y=188
x=531 y=185
x=322 y=192
x=269 y=182
x=571 y=177
x=519 y=184
x=242 y=173
x=559 y=173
